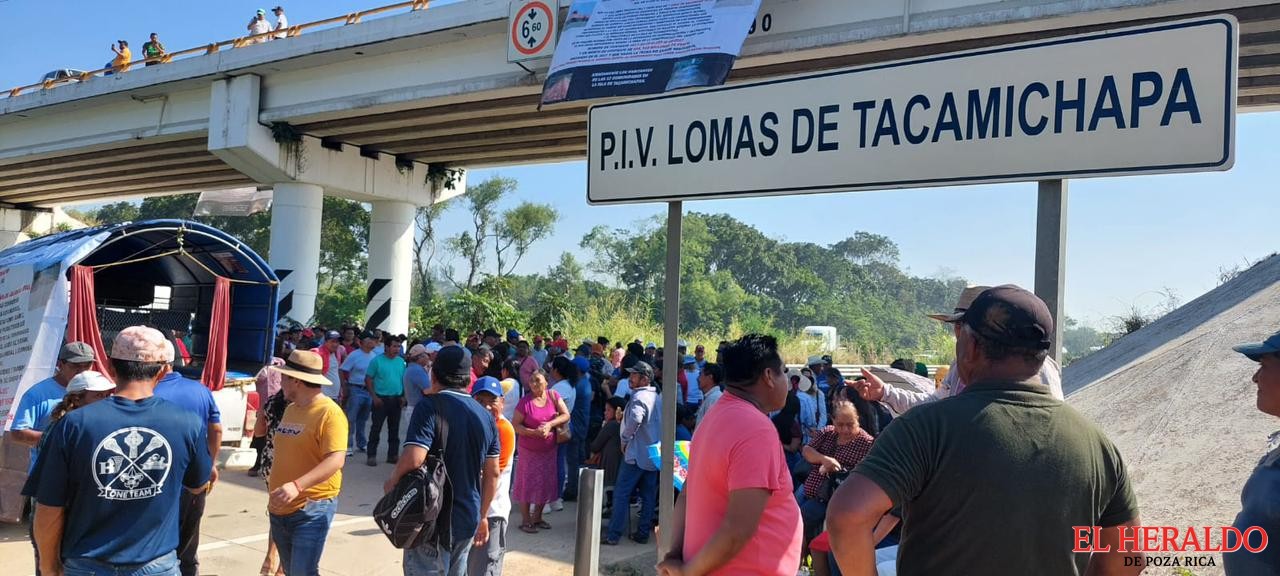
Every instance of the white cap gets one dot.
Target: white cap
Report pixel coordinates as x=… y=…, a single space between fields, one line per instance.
x=90 y=381
x=433 y=347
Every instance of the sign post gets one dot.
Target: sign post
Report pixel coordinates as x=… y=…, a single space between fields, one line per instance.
x=1051 y=255
x=670 y=374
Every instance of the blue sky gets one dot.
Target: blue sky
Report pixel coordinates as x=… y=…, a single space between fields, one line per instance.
x=1128 y=238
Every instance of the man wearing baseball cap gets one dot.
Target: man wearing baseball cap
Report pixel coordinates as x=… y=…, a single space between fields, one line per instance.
x=417 y=375
x=470 y=452
x=641 y=427
x=112 y=473
x=901 y=399
x=306 y=476
x=1005 y=455
x=332 y=354
x=1261 y=491
x=38 y=402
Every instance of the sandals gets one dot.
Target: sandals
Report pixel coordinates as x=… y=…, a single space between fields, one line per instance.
x=542 y=525
x=529 y=528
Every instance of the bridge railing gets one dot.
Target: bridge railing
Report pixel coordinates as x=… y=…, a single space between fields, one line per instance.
x=239 y=42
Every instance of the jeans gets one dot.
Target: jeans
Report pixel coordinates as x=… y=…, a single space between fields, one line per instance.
x=573 y=462
x=166 y=565
x=630 y=479
x=359 y=406
x=190 y=511
x=813 y=513
x=300 y=536
x=487 y=561
x=432 y=560
x=389 y=412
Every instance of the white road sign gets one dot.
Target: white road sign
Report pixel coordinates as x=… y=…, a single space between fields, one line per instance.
x=1145 y=100
x=531 y=29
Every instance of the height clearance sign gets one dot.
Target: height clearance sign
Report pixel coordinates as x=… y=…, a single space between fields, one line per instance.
x=1146 y=100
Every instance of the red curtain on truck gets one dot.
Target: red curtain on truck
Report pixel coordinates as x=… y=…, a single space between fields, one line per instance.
x=82 y=321
x=215 y=358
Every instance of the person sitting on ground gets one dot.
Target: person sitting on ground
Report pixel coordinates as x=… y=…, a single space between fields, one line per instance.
x=832 y=452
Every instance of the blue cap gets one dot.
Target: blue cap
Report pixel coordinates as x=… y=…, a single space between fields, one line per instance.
x=513 y=333
x=1256 y=350
x=690 y=360
x=650 y=345
x=487 y=384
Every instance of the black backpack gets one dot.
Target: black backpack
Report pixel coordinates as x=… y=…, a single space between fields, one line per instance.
x=417 y=511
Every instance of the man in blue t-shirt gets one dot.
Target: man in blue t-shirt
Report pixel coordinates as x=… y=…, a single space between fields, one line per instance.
x=195 y=398
x=38 y=402
x=355 y=397
x=470 y=455
x=112 y=472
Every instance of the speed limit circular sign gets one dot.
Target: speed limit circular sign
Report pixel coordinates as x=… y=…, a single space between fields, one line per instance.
x=532 y=30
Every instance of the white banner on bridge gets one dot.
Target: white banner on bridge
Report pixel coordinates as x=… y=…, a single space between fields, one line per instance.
x=1145 y=100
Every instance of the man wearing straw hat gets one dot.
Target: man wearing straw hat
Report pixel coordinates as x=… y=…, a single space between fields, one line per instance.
x=311 y=446
x=901 y=400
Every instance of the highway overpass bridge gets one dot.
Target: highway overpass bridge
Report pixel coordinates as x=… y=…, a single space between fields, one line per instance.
x=367 y=107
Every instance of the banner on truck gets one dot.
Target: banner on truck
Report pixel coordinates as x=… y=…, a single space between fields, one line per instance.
x=35 y=298
x=631 y=47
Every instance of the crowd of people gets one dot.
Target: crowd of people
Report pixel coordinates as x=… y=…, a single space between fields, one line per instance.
x=260 y=30
x=791 y=469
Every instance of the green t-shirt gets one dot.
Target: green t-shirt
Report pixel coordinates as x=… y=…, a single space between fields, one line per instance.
x=992 y=481
x=387 y=374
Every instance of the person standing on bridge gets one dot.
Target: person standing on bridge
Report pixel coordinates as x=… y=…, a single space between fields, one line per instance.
x=112 y=473
x=259 y=25
x=1259 y=494
x=1024 y=497
x=123 y=56
x=152 y=49
x=282 y=23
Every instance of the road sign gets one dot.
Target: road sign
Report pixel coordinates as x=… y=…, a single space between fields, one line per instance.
x=532 y=26
x=1152 y=99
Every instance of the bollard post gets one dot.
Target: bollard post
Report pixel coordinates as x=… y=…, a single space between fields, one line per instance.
x=586 y=553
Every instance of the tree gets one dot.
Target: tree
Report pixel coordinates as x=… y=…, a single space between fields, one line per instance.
x=518 y=229
x=865 y=248
x=424 y=247
x=482 y=203
x=344 y=241
x=114 y=213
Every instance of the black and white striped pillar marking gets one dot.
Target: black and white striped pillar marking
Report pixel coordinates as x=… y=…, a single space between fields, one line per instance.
x=378 y=318
x=285 y=304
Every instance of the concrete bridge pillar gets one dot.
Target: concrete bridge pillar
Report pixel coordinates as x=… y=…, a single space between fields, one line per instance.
x=390 y=266
x=295 y=248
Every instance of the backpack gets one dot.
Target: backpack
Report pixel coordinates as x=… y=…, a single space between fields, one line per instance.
x=417 y=510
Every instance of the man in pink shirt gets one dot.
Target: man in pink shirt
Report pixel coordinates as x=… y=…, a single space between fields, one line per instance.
x=737 y=513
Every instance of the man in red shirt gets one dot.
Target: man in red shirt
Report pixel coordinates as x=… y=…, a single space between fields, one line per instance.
x=737 y=513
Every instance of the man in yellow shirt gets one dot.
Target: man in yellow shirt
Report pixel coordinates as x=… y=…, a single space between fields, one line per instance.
x=310 y=449
x=123 y=56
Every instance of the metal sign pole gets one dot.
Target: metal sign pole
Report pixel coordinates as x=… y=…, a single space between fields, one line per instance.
x=1051 y=254
x=670 y=365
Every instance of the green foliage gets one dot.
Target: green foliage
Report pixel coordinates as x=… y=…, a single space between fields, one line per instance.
x=733 y=275
x=482 y=201
x=344 y=241
x=468 y=310
x=340 y=303
x=115 y=212
x=550 y=313
x=518 y=229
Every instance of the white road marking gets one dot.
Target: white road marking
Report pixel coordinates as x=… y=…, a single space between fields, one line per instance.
x=263 y=537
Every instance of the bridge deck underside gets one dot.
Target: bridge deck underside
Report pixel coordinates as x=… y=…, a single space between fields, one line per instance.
x=511 y=129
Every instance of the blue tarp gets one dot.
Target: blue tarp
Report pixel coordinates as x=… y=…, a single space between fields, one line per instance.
x=253 y=306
